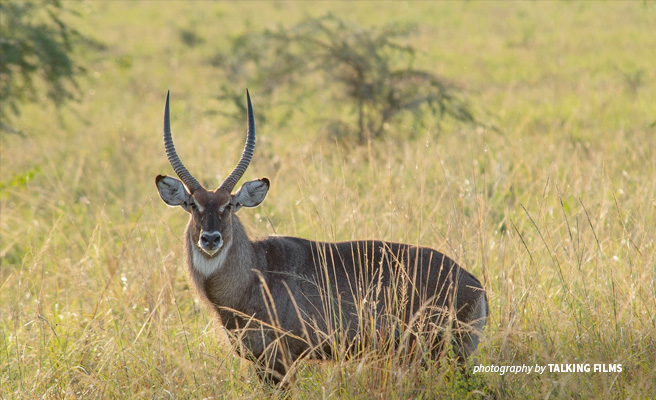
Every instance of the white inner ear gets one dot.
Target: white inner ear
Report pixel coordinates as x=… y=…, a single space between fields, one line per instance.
x=251 y=193
x=173 y=192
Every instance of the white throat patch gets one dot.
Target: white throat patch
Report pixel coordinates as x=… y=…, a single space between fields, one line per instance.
x=207 y=266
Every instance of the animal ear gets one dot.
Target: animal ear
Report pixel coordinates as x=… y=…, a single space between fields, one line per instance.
x=251 y=193
x=173 y=192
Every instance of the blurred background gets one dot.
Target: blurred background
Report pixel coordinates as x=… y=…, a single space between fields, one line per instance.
x=518 y=138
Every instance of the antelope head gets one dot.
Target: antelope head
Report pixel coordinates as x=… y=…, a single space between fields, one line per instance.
x=211 y=224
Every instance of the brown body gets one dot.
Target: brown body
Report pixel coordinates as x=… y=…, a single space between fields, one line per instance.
x=283 y=298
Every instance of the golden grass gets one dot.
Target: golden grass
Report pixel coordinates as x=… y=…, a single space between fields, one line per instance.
x=555 y=212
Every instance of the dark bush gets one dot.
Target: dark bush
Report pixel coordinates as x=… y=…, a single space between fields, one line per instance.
x=368 y=74
x=35 y=54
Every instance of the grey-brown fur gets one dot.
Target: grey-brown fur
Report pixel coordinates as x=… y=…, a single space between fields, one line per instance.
x=303 y=270
x=283 y=298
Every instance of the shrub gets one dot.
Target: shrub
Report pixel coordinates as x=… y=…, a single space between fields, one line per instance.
x=367 y=73
x=35 y=47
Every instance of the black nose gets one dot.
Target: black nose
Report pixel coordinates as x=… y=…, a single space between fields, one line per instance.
x=210 y=240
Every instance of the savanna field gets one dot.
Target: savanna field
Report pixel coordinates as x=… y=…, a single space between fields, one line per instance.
x=550 y=200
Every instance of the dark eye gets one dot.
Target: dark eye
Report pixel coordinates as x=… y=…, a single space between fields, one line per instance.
x=192 y=205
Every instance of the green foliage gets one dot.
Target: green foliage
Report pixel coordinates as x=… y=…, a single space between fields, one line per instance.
x=368 y=74
x=35 y=52
x=18 y=181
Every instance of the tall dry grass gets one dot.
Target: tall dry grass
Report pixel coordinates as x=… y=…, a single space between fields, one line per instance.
x=555 y=212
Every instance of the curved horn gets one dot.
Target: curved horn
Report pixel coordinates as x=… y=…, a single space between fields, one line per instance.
x=246 y=156
x=189 y=181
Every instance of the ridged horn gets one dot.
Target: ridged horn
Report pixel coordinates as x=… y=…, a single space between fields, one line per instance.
x=246 y=156
x=190 y=182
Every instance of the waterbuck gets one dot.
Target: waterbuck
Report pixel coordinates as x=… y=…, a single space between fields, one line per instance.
x=283 y=298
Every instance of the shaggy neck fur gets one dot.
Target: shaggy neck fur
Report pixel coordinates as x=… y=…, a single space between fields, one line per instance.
x=224 y=278
x=206 y=265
